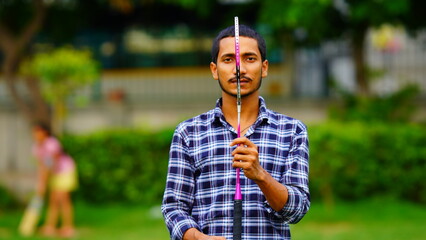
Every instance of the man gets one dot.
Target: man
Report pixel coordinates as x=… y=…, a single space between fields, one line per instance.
x=273 y=154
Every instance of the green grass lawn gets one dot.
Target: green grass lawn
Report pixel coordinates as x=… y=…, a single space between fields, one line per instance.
x=373 y=219
x=345 y=221
x=101 y=223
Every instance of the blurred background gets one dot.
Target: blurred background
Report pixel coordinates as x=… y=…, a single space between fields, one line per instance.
x=114 y=77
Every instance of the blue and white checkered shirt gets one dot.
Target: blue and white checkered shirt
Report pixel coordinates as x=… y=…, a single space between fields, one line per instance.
x=201 y=180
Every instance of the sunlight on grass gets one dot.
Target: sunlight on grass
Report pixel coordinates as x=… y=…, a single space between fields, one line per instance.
x=121 y=222
x=373 y=219
x=103 y=222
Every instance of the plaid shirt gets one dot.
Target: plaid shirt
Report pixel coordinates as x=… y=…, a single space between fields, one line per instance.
x=201 y=180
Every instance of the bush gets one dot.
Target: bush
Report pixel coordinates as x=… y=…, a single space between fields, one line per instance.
x=352 y=161
x=120 y=165
x=397 y=107
x=7 y=200
x=348 y=161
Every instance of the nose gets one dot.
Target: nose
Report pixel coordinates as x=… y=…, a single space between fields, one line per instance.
x=242 y=69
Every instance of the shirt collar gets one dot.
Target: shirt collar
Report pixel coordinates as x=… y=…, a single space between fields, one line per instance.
x=262 y=117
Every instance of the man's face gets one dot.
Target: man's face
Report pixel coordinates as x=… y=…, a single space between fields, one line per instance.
x=252 y=69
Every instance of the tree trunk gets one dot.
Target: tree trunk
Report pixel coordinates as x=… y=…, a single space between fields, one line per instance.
x=41 y=108
x=289 y=60
x=13 y=47
x=358 y=55
x=58 y=117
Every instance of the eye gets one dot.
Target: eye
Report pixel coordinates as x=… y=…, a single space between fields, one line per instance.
x=251 y=59
x=228 y=59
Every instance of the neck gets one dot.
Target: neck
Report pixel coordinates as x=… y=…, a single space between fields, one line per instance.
x=249 y=109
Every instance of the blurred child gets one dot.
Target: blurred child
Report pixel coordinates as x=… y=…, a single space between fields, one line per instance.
x=57 y=176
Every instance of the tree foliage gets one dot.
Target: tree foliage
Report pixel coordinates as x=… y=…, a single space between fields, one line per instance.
x=305 y=21
x=324 y=19
x=20 y=22
x=329 y=19
x=61 y=72
x=313 y=21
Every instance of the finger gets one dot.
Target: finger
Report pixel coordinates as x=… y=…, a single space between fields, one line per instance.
x=249 y=143
x=244 y=142
x=216 y=238
x=238 y=141
x=244 y=158
x=241 y=150
x=245 y=151
x=241 y=165
x=246 y=166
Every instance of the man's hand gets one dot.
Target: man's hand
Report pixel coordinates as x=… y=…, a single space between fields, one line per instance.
x=194 y=234
x=246 y=156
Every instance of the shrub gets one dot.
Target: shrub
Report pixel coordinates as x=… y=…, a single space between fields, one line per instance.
x=348 y=161
x=7 y=200
x=357 y=160
x=397 y=107
x=120 y=165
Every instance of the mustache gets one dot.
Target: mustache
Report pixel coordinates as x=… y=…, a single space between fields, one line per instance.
x=242 y=78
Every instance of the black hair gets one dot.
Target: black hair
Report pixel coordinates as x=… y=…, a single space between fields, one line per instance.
x=244 y=31
x=43 y=126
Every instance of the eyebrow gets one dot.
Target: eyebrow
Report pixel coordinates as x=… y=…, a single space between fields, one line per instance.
x=242 y=55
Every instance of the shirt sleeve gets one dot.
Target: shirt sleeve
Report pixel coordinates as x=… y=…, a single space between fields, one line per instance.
x=296 y=180
x=179 y=192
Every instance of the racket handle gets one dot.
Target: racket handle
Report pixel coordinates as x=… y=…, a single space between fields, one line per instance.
x=238 y=213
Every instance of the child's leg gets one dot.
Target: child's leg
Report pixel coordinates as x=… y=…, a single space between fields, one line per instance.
x=52 y=214
x=67 y=210
x=67 y=229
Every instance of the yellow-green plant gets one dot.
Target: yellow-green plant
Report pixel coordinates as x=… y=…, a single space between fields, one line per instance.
x=61 y=72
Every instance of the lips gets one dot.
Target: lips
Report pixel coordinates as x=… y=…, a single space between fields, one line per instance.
x=242 y=80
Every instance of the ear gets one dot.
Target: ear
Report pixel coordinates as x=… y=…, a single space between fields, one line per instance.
x=265 y=66
x=213 y=69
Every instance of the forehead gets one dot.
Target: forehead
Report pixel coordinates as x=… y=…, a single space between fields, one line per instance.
x=227 y=46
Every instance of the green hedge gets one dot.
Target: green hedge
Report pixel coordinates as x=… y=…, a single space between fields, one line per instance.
x=7 y=200
x=120 y=165
x=348 y=161
x=352 y=161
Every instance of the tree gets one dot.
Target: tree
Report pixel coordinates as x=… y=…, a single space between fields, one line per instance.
x=328 y=19
x=15 y=36
x=320 y=20
x=61 y=72
x=23 y=20
x=20 y=22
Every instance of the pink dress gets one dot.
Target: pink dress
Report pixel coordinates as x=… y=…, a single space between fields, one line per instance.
x=64 y=171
